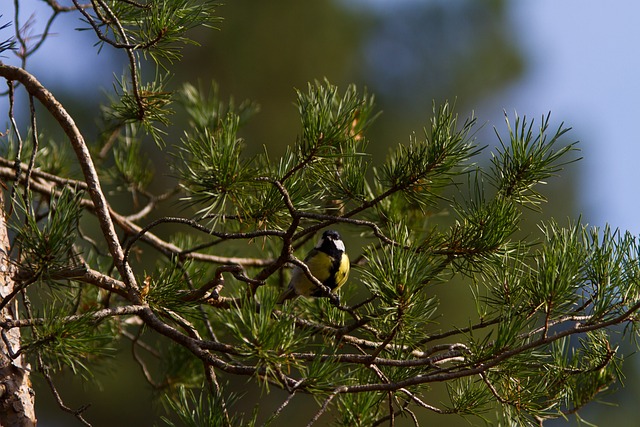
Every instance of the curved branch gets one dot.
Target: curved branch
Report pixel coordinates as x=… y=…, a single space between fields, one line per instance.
x=122 y=221
x=194 y=224
x=96 y=316
x=480 y=367
x=68 y=125
x=215 y=285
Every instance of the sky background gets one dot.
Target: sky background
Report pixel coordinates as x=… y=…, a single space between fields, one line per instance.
x=584 y=67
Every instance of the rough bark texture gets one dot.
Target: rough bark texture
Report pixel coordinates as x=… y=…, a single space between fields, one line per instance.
x=16 y=396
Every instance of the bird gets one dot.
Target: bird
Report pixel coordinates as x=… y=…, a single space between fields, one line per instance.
x=327 y=261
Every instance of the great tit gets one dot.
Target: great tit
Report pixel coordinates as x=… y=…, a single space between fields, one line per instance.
x=328 y=262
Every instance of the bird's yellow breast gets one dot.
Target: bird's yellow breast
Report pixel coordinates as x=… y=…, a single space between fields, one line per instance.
x=343 y=271
x=324 y=268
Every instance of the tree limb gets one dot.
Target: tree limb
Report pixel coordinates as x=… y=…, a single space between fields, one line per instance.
x=94 y=188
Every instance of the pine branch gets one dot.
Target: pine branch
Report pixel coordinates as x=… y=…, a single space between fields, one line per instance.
x=85 y=161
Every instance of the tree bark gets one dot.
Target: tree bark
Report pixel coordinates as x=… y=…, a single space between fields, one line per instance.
x=16 y=395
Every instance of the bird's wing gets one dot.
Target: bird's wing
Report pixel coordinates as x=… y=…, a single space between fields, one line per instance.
x=320 y=266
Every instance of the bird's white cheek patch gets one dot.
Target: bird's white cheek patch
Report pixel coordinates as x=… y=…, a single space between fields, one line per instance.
x=339 y=245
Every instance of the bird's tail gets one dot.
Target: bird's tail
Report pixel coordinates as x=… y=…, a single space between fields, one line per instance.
x=288 y=294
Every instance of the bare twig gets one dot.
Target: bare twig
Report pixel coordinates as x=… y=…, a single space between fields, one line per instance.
x=59 y=8
x=284 y=404
x=325 y=405
x=34 y=137
x=420 y=402
x=152 y=350
x=75 y=412
x=17 y=165
x=95 y=316
x=216 y=283
x=142 y=363
x=215 y=388
x=195 y=225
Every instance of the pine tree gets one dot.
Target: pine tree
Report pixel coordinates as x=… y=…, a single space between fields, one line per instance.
x=195 y=293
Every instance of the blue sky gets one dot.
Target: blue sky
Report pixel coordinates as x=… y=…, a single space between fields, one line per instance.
x=584 y=67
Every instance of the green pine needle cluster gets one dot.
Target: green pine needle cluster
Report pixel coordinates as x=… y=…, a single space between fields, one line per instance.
x=77 y=344
x=214 y=173
x=196 y=409
x=48 y=246
x=528 y=159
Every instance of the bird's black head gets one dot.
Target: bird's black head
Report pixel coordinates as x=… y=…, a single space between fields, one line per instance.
x=331 y=234
x=331 y=243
